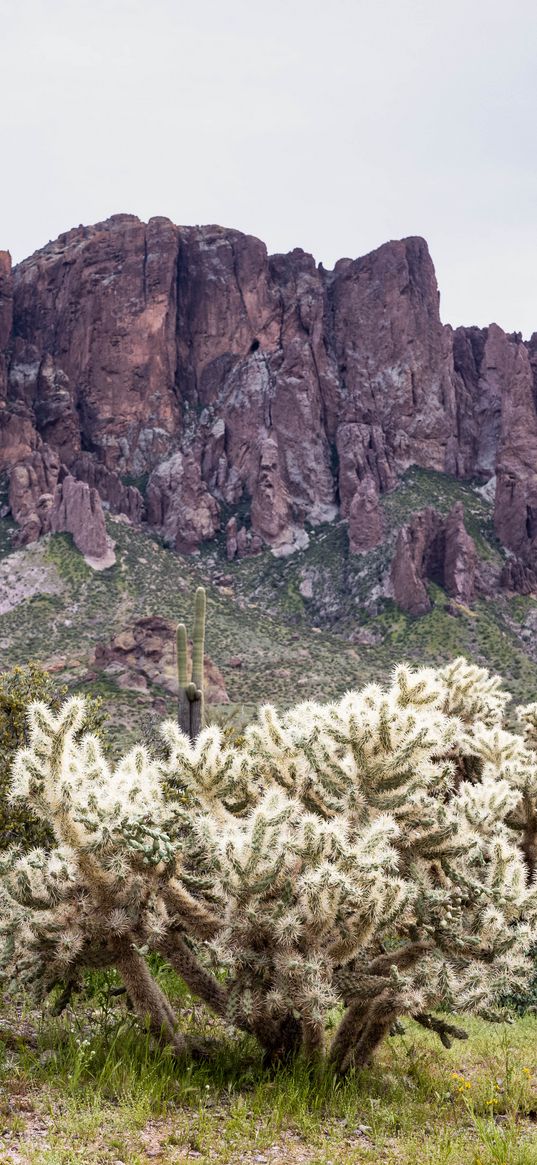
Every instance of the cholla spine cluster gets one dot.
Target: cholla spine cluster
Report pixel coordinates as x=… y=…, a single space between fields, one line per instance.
x=376 y=852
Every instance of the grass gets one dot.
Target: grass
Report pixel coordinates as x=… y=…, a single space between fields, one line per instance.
x=295 y=624
x=95 y=1089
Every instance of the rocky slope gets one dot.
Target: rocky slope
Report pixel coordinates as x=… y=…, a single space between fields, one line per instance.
x=202 y=386
x=310 y=624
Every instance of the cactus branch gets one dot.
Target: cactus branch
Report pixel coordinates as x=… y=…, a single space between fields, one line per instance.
x=148 y=1000
x=191 y=708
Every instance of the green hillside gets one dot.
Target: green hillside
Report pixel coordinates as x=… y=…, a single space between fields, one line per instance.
x=309 y=625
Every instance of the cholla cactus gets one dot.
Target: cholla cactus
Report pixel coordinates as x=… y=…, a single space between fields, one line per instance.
x=93 y=900
x=375 y=853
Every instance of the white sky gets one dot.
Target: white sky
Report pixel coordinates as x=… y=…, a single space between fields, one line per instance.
x=333 y=125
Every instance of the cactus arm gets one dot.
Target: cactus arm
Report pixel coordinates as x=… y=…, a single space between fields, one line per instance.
x=190 y=706
x=182 y=656
x=183 y=703
x=199 y=638
x=197 y=710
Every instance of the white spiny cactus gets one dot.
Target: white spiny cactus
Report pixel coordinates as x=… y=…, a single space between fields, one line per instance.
x=376 y=852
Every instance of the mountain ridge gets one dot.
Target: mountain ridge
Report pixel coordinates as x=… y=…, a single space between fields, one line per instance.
x=202 y=387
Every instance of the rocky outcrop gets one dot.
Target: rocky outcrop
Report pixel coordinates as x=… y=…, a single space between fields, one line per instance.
x=18 y=437
x=94 y=342
x=394 y=361
x=460 y=557
x=240 y=542
x=365 y=517
x=119 y=497
x=256 y=387
x=417 y=558
x=433 y=548
x=32 y=484
x=76 y=509
x=179 y=503
x=143 y=654
x=518 y=577
x=515 y=510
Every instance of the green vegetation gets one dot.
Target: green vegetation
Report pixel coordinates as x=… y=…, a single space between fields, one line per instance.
x=318 y=617
x=92 y=1085
x=19 y=824
x=85 y=1088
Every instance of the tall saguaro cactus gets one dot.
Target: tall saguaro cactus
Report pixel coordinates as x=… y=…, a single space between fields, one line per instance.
x=190 y=708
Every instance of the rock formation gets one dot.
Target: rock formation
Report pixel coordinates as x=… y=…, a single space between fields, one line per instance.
x=227 y=384
x=6 y=318
x=32 y=483
x=143 y=653
x=460 y=558
x=179 y=503
x=433 y=548
x=76 y=509
x=119 y=497
x=365 y=517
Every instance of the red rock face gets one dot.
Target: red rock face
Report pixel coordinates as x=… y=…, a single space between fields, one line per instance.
x=31 y=489
x=460 y=557
x=365 y=517
x=94 y=344
x=394 y=360
x=437 y=549
x=6 y=318
x=187 y=362
x=515 y=511
x=76 y=509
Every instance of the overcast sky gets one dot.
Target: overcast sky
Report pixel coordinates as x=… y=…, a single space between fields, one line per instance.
x=332 y=125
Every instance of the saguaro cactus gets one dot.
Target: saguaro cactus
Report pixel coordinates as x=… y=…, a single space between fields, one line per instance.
x=190 y=708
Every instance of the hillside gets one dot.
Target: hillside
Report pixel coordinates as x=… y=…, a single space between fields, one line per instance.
x=269 y=639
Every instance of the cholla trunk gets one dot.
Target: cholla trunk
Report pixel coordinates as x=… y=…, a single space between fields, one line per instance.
x=148 y=1000
x=280 y=1041
x=197 y=978
x=366 y=1022
x=312 y=1039
x=529 y=837
x=361 y=1030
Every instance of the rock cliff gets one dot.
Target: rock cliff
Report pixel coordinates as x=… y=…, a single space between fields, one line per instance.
x=431 y=548
x=199 y=384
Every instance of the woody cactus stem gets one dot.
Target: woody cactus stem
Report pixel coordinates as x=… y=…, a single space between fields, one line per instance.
x=191 y=710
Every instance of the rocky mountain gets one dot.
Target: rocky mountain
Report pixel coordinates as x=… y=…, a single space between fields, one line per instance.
x=199 y=386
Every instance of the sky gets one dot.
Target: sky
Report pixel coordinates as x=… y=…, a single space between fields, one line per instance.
x=332 y=125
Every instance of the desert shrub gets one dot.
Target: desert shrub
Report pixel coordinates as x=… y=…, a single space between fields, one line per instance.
x=19 y=688
x=374 y=853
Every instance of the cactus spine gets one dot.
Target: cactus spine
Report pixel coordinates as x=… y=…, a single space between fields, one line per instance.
x=190 y=708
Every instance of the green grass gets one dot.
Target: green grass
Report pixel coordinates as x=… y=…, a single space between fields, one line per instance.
x=290 y=645
x=95 y=1089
